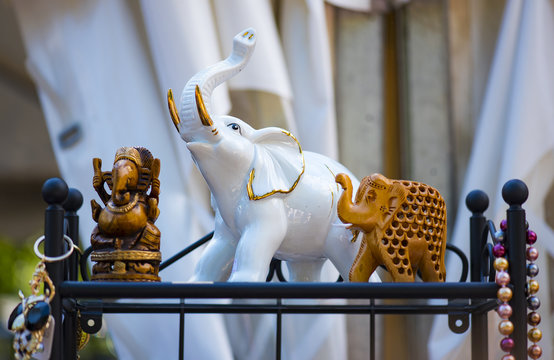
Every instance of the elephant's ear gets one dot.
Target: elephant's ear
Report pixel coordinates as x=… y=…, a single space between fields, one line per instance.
x=397 y=196
x=394 y=195
x=278 y=163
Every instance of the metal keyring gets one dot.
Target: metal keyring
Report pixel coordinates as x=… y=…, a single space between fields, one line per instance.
x=55 y=258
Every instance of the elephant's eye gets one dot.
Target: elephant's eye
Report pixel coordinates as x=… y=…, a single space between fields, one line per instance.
x=235 y=127
x=371 y=196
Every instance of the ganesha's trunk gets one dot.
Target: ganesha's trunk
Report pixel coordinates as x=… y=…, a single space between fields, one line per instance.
x=195 y=113
x=347 y=211
x=120 y=191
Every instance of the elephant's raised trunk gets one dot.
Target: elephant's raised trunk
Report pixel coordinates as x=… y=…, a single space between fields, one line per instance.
x=195 y=106
x=347 y=211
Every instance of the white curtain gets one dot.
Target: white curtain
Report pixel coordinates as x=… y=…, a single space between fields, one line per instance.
x=102 y=69
x=514 y=139
x=304 y=35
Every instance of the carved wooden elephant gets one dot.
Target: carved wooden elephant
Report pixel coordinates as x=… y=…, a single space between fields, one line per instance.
x=403 y=225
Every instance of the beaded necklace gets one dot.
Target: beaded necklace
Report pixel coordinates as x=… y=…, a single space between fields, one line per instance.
x=504 y=293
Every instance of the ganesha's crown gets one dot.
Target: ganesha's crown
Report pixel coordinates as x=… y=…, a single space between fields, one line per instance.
x=139 y=155
x=128 y=153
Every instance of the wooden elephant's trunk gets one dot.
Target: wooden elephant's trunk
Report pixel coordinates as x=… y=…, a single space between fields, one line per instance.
x=350 y=212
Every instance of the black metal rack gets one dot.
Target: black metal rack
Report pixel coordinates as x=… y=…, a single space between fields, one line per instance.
x=468 y=302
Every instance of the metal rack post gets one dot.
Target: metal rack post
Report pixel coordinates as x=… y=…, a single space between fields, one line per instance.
x=71 y=205
x=54 y=192
x=477 y=202
x=515 y=193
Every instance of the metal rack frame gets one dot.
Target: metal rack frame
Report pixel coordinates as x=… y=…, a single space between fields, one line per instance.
x=468 y=302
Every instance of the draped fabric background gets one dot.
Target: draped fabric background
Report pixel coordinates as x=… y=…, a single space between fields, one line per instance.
x=514 y=139
x=104 y=67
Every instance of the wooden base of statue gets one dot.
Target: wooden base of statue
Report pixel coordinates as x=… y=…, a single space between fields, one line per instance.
x=126 y=243
x=126 y=265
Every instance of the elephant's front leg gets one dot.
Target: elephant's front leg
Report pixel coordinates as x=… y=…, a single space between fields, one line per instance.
x=364 y=265
x=264 y=230
x=217 y=259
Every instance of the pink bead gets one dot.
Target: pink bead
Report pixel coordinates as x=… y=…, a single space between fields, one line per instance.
x=503 y=225
x=531 y=237
x=532 y=253
x=498 y=250
x=504 y=311
x=508 y=357
x=507 y=344
x=502 y=278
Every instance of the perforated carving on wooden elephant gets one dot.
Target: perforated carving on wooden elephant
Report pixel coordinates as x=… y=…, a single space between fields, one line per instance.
x=403 y=225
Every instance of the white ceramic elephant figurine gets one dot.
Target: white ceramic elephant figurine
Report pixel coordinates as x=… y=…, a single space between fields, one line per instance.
x=270 y=197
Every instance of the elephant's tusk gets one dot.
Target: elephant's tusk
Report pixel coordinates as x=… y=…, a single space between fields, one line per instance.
x=173 y=109
x=202 y=112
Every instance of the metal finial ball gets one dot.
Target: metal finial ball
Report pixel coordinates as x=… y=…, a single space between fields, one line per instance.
x=74 y=200
x=515 y=192
x=54 y=191
x=477 y=201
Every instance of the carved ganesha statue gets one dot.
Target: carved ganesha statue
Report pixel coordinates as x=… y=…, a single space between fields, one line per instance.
x=403 y=225
x=126 y=242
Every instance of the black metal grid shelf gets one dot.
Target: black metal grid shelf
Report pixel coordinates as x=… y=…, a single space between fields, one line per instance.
x=223 y=290
x=165 y=290
x=463 y=301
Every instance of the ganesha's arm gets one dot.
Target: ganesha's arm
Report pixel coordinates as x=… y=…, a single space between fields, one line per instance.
x=96 y=209
x=98 y=180
x=153 y=210
x=155 y=190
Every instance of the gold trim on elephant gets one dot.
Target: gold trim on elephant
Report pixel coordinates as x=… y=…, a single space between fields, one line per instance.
x=173 y=109
x=333 y=174
x=201 y=107
x=249 y=189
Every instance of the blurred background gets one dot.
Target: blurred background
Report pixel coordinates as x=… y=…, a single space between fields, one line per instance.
x=396 y=87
